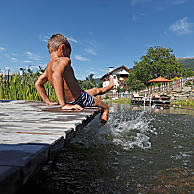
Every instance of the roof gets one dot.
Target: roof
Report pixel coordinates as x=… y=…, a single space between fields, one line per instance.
x=160 y=79
x=115 y=70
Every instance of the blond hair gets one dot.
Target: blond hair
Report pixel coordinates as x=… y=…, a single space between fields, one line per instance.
x=55 y=41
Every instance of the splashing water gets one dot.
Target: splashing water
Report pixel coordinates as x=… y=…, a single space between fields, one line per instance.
x=131 y=132
x=127 y=130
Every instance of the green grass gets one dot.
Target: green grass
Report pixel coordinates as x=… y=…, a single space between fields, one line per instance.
x=184 y=103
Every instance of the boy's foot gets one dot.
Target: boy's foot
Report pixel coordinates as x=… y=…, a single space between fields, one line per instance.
x=104 y=117
x=111 y=82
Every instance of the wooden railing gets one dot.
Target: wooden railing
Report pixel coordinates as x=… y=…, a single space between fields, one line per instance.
x=166 y=87
x=175 y=84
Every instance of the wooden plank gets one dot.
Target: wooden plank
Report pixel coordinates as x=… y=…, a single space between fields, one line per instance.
x=31 y=133
x=13 y=138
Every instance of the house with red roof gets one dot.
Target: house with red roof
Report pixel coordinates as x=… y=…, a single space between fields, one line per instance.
x=119 y=74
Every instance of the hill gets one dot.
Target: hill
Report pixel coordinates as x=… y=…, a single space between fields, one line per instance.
x=188 y=62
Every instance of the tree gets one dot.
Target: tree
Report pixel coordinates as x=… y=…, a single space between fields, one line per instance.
x=187 y=72
x=157 y=62
x=88 y=83
x=29 y=71
x=132 y=83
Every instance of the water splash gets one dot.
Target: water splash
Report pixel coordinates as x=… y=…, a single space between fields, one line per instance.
x=128 y=129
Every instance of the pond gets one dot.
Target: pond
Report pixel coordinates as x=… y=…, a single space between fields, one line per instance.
x=139 y=150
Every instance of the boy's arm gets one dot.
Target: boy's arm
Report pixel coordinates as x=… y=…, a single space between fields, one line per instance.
x=40 y=88
x=58 y=81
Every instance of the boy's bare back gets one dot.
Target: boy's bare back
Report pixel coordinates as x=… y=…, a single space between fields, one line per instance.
x=60 y=67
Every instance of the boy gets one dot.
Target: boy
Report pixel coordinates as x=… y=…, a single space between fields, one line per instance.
x=61 y=76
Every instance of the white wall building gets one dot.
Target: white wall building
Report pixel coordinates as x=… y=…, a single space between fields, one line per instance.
x=119 y=74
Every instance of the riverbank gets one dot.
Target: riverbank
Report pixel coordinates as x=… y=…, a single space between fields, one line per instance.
x=187 y=104
x=118 y=100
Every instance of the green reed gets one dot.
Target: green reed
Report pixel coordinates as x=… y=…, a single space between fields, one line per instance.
x=19 y=87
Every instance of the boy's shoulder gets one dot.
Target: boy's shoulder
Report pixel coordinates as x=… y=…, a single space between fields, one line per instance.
x=60 y=63
x=63 y=61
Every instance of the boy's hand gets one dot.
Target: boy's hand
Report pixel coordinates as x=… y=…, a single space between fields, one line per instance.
x=72 y=107
x=53 y=103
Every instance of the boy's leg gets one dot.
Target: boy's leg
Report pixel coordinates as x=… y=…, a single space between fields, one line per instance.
x=105 y=109
x=100 y=91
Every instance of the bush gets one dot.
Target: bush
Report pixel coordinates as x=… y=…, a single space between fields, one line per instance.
x=188 y=83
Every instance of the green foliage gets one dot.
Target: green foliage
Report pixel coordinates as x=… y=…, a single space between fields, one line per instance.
x=118 y=89
x=88 y=83
x=100 y=84
x=189 y=83
x=183 y=103
x=133 y=84
x=187 y=72
x=187 y=62
x=121 y=101
x=23 y=88
x=158 y=62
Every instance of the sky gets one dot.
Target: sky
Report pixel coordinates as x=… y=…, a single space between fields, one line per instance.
x=102 y=33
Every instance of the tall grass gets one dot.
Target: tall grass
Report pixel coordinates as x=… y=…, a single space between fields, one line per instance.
x=23 y=88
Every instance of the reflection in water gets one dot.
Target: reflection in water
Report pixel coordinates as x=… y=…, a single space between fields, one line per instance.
x=139 y=150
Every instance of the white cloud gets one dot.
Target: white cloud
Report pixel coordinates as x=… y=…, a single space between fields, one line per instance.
x=7 y=68
x=90 y=51
x=182 y=26
x=1 y=48
x=27 y=61
x=179 y=2
x=97 y=73
x=172 y=2
x=13 y=59
x=136 y=2
x=34 y=67
x=80 y=58
x=44 y=38
x=33 y=56
x=91 y=43
x=71 y=39
x=29 y=53
x=138 y=16
x=10 y=57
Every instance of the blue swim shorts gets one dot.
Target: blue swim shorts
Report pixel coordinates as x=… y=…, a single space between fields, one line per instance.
x=85 y=100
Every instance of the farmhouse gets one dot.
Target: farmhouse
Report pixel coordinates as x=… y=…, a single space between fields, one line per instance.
x=119 y=74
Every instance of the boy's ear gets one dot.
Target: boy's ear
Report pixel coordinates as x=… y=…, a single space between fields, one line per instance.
x=62 y=47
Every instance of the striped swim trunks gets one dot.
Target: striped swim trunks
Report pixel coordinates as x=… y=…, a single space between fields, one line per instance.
x=85 y=100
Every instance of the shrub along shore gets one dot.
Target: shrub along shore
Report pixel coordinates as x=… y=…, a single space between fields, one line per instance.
x=184 y=104
x=23 y=88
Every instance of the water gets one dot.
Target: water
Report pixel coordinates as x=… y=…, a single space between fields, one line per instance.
x=139 y=150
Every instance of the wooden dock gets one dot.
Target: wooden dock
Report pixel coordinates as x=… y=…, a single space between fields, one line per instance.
x=30 y=134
